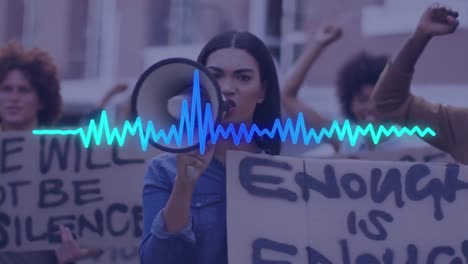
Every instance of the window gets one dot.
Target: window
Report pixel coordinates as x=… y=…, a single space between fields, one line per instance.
x=187 y=22
x=85 y=36
x=21 y=21
x=292 y=35
x=14 y=20
x=158 y=14
x=78 y=13
x=266 y=21
x=273 y=26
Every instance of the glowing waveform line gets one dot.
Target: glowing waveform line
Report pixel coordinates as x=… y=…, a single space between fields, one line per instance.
x=187 y=125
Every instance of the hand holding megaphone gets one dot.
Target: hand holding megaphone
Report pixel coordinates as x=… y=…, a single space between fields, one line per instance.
x=191 y=165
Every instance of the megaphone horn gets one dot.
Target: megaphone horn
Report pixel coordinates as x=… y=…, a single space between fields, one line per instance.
x=160 y=92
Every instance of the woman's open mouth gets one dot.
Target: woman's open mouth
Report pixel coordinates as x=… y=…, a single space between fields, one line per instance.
x=230 y=107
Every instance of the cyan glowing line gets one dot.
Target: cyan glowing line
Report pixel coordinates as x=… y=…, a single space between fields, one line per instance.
x=206 y=126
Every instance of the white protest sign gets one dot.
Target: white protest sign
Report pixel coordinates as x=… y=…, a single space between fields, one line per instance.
x=421 y=154
x=357 y=211
x=46 y=181
x=262 y=219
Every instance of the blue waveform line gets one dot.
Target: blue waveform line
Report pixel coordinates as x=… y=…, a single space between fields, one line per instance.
x=207 y=127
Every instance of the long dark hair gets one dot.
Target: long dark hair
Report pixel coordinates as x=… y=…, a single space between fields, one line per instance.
x=270 y=109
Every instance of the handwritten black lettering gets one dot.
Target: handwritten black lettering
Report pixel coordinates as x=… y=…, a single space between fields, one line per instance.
x=110 y=212
x=14 y=191
x=86 y=195
x=30 y=236
x=10 y=147
x=391 y=183
x=374 y=216
x=346 y=182
x=248 y=178
x=97 y=228
x=329 y=189
x=5 y=222
x=53 y=227
x=52 y=189
x=53 y=149
x=266 y=244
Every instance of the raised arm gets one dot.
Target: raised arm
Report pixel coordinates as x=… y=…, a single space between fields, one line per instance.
x=435 y=21
x=295 y=77
x=393 y=99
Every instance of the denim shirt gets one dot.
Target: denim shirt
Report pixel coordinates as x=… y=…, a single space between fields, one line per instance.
x=204 y=239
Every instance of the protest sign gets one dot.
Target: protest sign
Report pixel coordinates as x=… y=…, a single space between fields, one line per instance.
x=351 y=211
x=420 y=154
x=272 y=180
x=46 y=181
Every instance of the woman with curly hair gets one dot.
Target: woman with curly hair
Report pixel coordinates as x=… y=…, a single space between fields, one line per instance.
x=30 y=98
x=355 y=82
x=29 y=89
x=356 y=79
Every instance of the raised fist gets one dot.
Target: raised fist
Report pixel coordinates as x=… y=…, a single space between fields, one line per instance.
x=327 y=35
x=438 y=20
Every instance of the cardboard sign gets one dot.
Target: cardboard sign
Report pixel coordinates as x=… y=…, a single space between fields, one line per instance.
x=422 y=154
x=287 y=210
x=46 y=181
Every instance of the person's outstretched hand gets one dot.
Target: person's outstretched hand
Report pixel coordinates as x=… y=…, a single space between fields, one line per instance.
x=328 y=35
x=71 y=250
x=438 y=20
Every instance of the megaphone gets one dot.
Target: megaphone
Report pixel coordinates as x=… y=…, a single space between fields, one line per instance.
x=159 y=95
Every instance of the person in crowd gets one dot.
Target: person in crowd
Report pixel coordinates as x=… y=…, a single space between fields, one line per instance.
x=30 y=98
x=295 y=77
x=392 y=97
x=184 y=210
x=355 y=82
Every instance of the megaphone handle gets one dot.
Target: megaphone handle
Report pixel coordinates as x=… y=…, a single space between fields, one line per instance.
x=191 y=171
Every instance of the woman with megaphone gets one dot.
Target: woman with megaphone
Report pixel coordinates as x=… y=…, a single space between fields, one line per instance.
x=184 y=209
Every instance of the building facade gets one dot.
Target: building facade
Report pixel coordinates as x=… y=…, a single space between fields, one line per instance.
x=98 y=43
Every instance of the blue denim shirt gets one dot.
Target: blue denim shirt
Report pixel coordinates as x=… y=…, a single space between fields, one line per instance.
x=204 y=240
